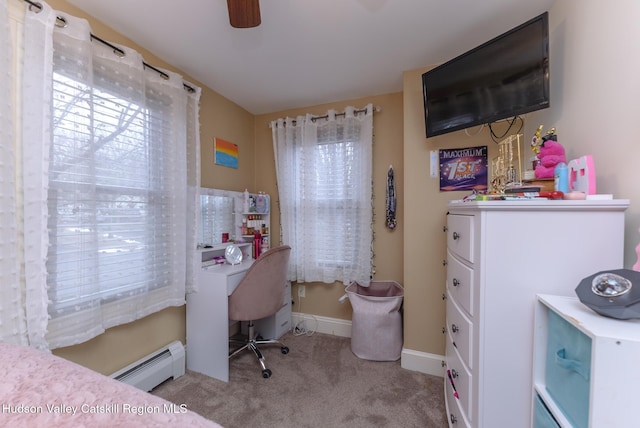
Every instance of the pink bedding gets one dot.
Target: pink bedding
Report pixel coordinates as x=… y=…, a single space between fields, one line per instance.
x=38 y=389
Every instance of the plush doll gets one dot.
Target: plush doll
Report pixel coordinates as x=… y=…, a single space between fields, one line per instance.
x=551 y=153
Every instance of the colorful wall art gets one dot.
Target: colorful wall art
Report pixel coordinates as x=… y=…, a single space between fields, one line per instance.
x=225 y=153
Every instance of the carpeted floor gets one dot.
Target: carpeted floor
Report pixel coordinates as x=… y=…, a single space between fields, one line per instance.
x=320 y=383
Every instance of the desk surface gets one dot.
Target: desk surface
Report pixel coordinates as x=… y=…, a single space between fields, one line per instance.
x=225 y=270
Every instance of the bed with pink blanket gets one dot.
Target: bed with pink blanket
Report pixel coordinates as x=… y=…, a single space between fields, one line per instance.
x=38 y=389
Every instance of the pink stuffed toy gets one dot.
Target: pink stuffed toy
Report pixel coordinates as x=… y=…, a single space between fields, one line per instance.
x=551 y=153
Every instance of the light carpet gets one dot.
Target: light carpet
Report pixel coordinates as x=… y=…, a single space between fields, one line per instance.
x=320 y=383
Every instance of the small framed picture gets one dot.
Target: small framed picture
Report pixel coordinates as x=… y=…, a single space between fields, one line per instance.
x=225 y=153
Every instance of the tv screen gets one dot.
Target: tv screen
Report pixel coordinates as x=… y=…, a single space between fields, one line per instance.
x=504 y=77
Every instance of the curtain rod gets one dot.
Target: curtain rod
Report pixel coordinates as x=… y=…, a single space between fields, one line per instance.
x=376 y=109
x=326 y=116
x=116 y=50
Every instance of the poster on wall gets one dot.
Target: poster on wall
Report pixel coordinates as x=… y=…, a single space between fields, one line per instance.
x=225 y=153
x=463 y=169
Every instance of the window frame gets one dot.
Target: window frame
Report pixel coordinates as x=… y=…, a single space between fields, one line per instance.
x=150 y=195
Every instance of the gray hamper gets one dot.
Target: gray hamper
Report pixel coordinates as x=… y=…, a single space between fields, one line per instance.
x=376 y=326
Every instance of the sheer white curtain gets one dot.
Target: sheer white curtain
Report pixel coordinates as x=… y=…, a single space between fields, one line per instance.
x=193 y=184
x=109 y=225
x=13 y=322
x=10 y=325
x=324 y=174
x=23 y=294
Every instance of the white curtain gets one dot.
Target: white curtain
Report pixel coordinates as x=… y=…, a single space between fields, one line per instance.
x=193 y=184
x=324 y=175
x=109 y=218
x=13 y=316
x=11 y=327
x=23 y=293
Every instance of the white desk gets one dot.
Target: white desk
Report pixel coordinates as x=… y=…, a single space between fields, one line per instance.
x=208 y=319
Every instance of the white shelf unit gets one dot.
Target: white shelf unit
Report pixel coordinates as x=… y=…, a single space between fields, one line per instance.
x=613 y=373
x=257 y=217
x=500 y=254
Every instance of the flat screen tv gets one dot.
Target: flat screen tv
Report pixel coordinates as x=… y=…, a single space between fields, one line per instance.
x=504 y=77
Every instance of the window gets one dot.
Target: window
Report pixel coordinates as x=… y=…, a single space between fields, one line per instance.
x=117 y=191
x=335 y=196
x=104 y=195
x=107 y=202
x=324 y=178
x=216 y=217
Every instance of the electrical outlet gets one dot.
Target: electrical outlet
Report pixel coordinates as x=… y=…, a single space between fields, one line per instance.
x=301 y=290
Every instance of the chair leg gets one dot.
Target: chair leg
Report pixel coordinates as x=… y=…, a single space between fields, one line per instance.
x=259 y=355
x=240 y=349
x=251 y=343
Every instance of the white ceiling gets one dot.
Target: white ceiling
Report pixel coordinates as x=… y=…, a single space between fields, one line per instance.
x=309 y=52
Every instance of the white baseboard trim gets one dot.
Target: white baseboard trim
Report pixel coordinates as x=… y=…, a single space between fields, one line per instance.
x=422 y=362
x=326 y=325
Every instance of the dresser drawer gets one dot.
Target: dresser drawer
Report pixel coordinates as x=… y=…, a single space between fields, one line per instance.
x=568 y=369
x=455 y=415
x=462 y=380
x=287 y=293
x=459 y=331
x=460 y=282
x=283 y=320
x=460 y=235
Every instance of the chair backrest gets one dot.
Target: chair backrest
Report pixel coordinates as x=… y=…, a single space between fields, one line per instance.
x=260 y=293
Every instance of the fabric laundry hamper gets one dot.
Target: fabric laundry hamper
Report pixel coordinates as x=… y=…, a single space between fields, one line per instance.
x=376 y=326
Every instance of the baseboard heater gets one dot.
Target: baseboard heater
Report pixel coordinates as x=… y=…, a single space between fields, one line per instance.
x=150 y=371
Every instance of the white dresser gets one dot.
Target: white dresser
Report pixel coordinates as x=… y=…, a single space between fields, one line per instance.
x=500 y=254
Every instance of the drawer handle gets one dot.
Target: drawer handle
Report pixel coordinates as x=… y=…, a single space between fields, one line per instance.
x=453 y=419
x=455 y=282
x=454 y=328
x=456 y=236
x=569 y=364
x=454 y=373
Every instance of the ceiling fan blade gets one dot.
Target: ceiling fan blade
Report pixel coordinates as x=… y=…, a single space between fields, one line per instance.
x=244 y=13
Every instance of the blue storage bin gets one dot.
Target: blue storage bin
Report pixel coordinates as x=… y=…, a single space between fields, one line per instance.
x=542 y=418
x=568 y=369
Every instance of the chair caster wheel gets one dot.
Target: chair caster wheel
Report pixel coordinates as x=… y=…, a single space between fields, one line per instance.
x=266 y=373
x=284 y=350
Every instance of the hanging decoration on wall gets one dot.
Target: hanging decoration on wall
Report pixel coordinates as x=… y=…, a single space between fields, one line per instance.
x=391 y=200
x=463 y=169
x=225 y=153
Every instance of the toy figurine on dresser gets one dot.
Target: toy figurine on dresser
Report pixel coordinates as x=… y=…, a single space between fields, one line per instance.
x=550 y=153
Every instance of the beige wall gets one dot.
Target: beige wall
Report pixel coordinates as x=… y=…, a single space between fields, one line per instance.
x=425 y=209
x=221 y=118
x=322 y=299
x=594 y=97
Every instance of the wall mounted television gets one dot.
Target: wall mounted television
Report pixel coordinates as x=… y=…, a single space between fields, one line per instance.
x=504 y=77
